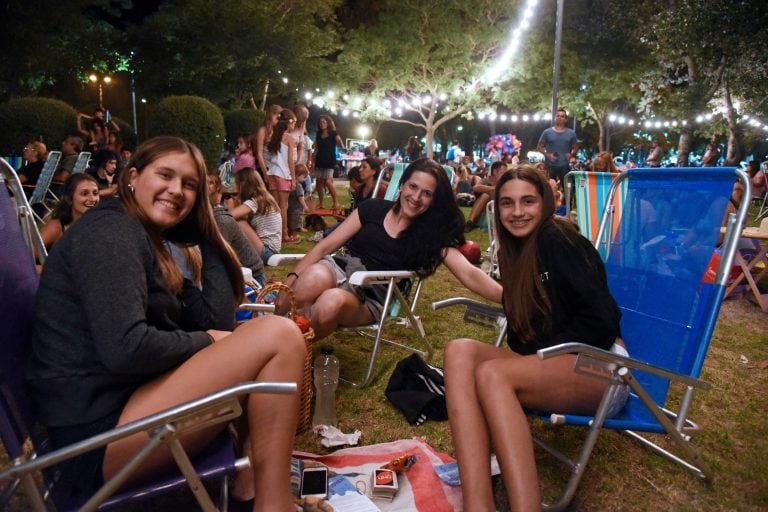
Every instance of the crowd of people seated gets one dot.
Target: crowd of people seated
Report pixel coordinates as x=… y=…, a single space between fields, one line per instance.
x=140 y=294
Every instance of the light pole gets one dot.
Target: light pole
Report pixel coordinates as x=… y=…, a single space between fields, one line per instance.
x=556 y=70
x=106 y=79
x=133 y=97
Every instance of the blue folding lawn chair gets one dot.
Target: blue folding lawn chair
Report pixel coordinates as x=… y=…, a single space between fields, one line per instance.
x=81 y=164
x=662 y=273
x=31 y=466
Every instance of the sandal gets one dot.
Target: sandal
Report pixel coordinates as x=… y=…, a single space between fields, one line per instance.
x=291 y=239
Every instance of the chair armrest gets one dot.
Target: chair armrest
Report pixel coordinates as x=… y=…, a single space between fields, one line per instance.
x=281 y=259
x=463 y=301
x=210 y=407
x=369 y=277
x=610 y=357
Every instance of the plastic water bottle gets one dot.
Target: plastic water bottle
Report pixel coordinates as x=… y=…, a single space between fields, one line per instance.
x=326 y=376
x=250 y=295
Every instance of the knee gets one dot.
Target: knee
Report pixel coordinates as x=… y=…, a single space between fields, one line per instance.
x=494 y=375
x=458 y=352
x=279 y=334
x=327 y=307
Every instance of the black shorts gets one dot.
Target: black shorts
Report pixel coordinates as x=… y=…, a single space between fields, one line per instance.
x=81 y=476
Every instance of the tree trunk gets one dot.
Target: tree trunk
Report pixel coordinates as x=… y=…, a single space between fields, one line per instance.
x=602 y=137
x=735 y=150
x=684 y=145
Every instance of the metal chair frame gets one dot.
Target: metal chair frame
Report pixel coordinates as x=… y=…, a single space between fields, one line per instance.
x=42 y=191
x=649 y=380
x=18 y=430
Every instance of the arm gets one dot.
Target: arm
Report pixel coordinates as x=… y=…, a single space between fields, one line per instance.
x=259 y=149
x=480 y=188
x=288 y=140
x=213 y=307
x=241 y=211
x=113 y=266
x=340 y=144
x=51 y=232
x=80 y=127
x=251 y=236
x=472 y=277
x=312 y=156
x=329 y=244
x=574 y=149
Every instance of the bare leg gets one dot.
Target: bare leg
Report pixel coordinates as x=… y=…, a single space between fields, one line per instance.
x=332 y=191
x=320 y=187
x=282 y=202
x=471 y=436
x=479 y=378
x=479 y=207
x=326 y=306
x=337 y=307
x=265 y=349
x=519 y=382
x=307 y=288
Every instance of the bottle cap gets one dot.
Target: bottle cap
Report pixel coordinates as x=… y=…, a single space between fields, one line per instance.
x=326 y=350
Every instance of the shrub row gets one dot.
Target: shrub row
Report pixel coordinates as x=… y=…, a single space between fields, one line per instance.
x=189 y=117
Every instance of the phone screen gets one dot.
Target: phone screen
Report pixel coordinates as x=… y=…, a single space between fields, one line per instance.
x=314 y=482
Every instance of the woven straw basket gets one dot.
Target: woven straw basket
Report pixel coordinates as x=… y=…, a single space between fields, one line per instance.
x=305 y=398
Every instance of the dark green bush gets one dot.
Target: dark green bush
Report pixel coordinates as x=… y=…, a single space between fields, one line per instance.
x=241 y=122
x=25 y=119
x=194 y=119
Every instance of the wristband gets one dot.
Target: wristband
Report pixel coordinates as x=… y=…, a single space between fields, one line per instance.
x=292 y=274
x=213 y=340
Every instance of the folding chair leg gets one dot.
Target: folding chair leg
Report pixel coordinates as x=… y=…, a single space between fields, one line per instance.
x=193 y=479
x=121 y=476
x=579 y=465
x=413 y=321
x=700 y=468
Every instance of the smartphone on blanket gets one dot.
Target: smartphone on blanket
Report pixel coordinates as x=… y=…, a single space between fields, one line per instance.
x=314 y=482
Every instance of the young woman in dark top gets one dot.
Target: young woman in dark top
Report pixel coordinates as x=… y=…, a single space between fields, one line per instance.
x=110 y=343
x=79 y=194
x=555 y=291
x=417 y=232
x=324 y=158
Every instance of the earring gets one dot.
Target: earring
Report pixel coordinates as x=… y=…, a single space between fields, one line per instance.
x=130 y=187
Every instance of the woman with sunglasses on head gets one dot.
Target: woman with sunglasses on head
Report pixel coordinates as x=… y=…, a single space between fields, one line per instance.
x=555 y=291
x=110 y=345
x=420 y=230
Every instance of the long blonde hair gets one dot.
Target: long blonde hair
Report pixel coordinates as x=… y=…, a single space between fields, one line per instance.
x=197 y=227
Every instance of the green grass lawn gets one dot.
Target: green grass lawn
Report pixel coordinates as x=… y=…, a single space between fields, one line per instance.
x=621 y=474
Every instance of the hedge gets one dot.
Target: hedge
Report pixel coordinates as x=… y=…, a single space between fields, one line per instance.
x=242 y=122
x=194 y=119
x=32 y=118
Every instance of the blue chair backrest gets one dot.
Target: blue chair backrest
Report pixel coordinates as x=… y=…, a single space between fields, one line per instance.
x=46 y=175
x=656 y=265
x=397 y=173
x=81 y=164
x=18 y=285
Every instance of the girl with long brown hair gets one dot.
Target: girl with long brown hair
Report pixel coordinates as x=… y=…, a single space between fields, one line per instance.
x=111 y=344
x=555 y=291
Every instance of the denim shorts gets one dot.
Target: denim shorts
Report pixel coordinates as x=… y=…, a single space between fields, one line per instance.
x=622 y=394
x=371 y=296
